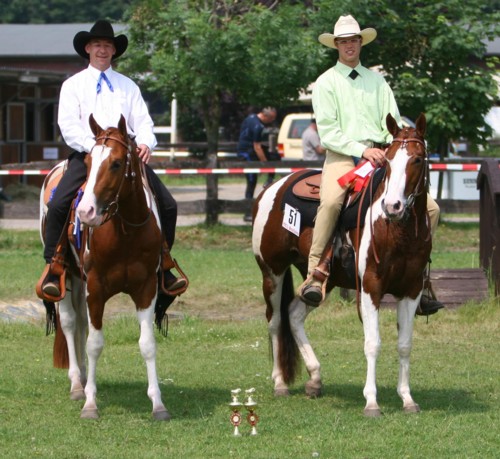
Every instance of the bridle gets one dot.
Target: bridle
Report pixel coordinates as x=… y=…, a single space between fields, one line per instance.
x=113 y=207
x=422 y=180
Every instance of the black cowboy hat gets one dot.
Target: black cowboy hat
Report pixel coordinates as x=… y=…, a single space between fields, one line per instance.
x=101 y=29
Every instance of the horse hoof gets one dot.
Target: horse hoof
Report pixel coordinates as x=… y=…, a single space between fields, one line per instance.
x=281 y=392
x=412 y=409
x=77 y=394
x=372 y=412
x=89 y=413
x=313 y=390
x=162 y=415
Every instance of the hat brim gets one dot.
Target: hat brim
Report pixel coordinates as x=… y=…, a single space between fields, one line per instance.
x=82 y=38
x=328 y=39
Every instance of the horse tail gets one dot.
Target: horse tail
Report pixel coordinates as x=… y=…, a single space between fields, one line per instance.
x=288 y=354
x=60 y=352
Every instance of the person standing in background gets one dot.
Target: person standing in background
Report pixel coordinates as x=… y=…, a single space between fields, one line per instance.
x=312 y=150
x=250 y=146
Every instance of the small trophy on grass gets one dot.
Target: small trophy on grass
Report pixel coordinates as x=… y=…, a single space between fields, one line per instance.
x=251 y=405
x=235 y=406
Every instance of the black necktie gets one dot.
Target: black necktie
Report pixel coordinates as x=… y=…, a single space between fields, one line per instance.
x=102 y=77
x=354 y=74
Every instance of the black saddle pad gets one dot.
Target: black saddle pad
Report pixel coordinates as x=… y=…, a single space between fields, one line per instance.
x=348 y=216
x=306 y=207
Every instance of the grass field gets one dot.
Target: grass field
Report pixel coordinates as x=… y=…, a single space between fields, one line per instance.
x=455 y=373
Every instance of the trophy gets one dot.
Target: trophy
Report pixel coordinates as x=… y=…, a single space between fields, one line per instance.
x=251 y=405
x=235 y=406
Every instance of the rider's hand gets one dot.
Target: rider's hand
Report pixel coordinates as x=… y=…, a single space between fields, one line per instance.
x=144 y=153
x=376 y=156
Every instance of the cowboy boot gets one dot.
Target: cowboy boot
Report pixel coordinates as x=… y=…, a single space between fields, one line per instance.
x=429 y=304
x=313 y=290
x=52 y=283
x=169 y=283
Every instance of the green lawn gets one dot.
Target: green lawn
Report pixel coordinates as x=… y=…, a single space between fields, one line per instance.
x=455 y=373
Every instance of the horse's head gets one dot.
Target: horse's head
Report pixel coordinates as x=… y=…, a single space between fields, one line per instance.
x=406 y=168
x=110 y=169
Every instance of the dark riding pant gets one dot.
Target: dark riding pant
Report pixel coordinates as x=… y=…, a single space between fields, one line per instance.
x=251 y=178
x=73 y=179
x=167 y=206
x=60 y=202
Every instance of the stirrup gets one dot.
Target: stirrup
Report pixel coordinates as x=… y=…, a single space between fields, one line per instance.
x=320 y=291
x=62 y=286
x=178 y=291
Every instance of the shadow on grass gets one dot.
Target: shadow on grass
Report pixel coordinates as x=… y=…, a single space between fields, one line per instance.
x=181 y=402
x=350 y=396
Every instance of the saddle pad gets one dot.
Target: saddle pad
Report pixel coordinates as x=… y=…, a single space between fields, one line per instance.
x=308 y=187
x=306 y=207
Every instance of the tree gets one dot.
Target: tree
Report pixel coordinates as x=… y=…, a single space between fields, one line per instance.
x=61 y=11
x=257 y=52
x=432 y=54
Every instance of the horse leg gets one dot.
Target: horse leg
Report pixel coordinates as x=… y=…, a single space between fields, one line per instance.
x=406 y=314
x=80 y=307
x=372 y=348
x=298 y=313
x=272 y=289
x=95 y=344
x=147 y=344
x=69 y=321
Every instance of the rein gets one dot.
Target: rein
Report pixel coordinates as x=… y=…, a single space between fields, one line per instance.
x=112 y=208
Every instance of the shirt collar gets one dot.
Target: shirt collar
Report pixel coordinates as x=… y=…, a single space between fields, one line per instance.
x=345 y=70
x=96 y=72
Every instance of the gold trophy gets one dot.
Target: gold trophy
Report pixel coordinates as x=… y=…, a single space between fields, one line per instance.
x=235 y=406
x=251 y=405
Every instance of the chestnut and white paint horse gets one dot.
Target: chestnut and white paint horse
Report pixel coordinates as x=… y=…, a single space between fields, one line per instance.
x=392 y=249
x=120 y=254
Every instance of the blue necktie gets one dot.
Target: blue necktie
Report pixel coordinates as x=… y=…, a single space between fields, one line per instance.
x=103 y=76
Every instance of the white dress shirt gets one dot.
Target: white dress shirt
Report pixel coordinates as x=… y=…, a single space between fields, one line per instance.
x=79 y=99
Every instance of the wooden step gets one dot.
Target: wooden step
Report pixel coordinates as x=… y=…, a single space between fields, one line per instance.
x=454 y=287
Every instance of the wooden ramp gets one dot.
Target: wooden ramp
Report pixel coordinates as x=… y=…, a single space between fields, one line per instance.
x=455 y=287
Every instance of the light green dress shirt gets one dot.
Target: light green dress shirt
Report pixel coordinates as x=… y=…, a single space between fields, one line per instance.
x=349 y=111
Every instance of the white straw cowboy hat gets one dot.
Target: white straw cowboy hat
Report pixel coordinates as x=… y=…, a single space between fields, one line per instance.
x=345 y=27
x=101 y=29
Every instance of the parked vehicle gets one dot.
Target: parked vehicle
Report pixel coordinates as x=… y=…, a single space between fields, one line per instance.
x=290 y=135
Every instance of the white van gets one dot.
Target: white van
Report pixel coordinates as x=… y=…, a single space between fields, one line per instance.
x=290 y=135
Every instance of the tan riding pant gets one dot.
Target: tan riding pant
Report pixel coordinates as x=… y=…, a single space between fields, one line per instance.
x=331 y=200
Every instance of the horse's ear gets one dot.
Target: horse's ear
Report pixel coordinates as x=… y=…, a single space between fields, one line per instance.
x=122 y=126
x=421 y=125
x=392 y=126
x=94 y=127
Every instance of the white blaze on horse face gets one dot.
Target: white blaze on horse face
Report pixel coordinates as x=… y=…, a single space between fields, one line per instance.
x=394 y=200
x=87 y=209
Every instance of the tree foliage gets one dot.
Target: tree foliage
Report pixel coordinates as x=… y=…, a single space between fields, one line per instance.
x=61 y=11
x=258 y=53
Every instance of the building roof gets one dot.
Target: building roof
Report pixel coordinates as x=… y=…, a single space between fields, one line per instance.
x=493 y=47
x=42 y=40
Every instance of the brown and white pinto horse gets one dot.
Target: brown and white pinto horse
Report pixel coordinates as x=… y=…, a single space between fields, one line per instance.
x=392 y=249
x=121 y=254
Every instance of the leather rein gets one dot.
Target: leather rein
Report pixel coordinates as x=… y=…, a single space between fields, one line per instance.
x=112 y=208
